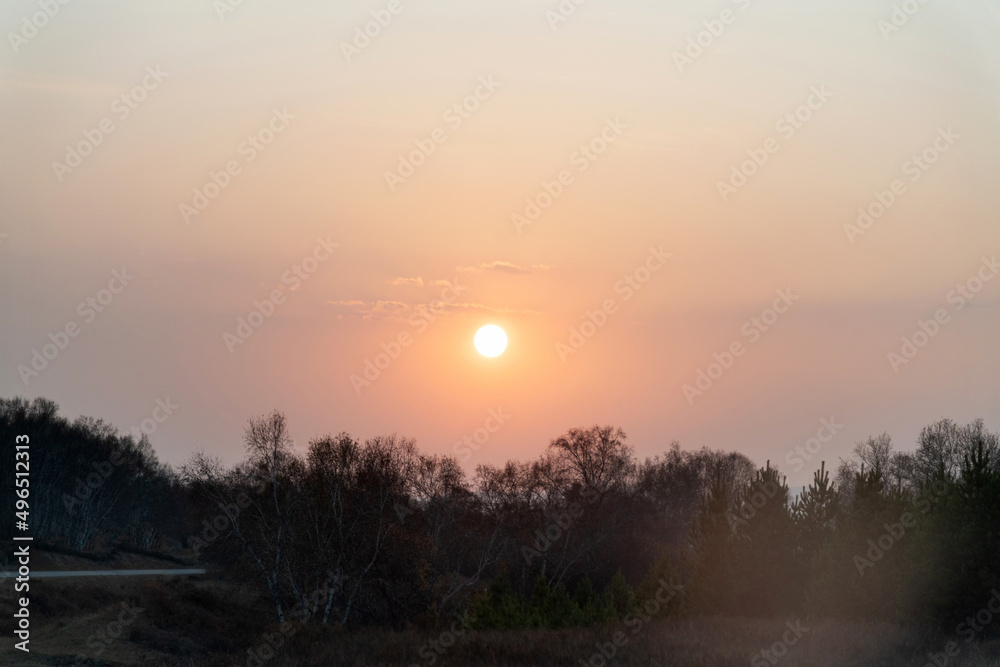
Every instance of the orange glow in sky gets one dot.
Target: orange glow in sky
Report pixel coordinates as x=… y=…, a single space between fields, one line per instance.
x=321 y=224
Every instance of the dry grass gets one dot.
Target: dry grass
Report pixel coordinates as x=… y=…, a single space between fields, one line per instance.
x=203 y=622
x=715 y=642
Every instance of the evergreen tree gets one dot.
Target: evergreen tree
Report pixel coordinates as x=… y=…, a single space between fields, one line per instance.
x=618 y=599
x=539 y=604
x=587 y=600
x=499 y=607
x=816 y=512
x=712 y=551
x=659 y=583
x=768 y=579
x=957 y=559
x=561 y=610
x=858 y=572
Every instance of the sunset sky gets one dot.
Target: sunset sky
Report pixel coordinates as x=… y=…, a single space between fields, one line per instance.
x=610 y=121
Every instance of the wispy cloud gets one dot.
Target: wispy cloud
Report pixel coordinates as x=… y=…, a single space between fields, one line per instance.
x=505 y=267
x=384 y=311
x=479 y=307
x=370 y=310
x=416 y=282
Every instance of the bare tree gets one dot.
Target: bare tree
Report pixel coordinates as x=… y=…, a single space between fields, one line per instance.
x=874 y=454
x=268 y=486
x=595 y=458
x=942 y=447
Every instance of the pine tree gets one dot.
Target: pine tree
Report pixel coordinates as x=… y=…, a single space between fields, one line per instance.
x=561 y=610
x=869 y=491
x=538 y=608
x=859 y=572
x=767 y=578
x=815 y=513
x=588 y=602
x=618 y=599
x=712 y=551
x=499 y=607
x=662 y=574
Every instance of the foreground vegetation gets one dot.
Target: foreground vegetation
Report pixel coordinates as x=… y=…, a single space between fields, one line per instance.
x=204 y=622
x=349 y=542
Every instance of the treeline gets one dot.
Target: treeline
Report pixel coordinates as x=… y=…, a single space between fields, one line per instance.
x=90 y=486
x=376 y=532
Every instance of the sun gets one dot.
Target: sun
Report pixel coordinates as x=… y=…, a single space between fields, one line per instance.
x=491 y=341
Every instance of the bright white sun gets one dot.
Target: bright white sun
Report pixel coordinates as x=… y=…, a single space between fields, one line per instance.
x=491 y=341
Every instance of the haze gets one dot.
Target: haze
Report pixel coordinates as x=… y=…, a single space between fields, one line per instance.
x=643 y=201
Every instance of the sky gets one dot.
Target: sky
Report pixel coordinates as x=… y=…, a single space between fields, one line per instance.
x=738 y=224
